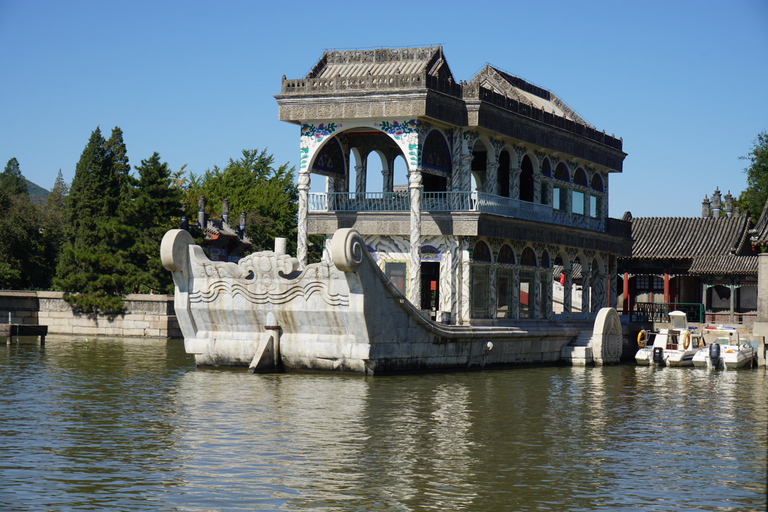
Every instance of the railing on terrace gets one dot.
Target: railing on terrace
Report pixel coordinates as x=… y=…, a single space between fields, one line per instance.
x=452 y=201
x=659 y=312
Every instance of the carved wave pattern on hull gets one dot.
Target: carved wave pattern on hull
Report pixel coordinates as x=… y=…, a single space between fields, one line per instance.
x=306 y=291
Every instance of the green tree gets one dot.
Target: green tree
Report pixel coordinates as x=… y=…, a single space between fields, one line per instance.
x=89 y=266
x=253 y=184
x=152 y=209
x=755 y=196
x=23 y=252
x=11 y=179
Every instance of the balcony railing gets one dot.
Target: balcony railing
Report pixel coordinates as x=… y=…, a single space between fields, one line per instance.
x=452 y=201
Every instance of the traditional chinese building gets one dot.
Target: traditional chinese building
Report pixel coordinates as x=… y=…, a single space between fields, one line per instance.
x=706 y=266
x=505 y=182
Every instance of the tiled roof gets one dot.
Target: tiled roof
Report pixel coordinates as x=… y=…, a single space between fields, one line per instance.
x=688 y=237
x=729 y=264
x=518 y=89
x=759 y=233
x=712 y=244
x=379 y=62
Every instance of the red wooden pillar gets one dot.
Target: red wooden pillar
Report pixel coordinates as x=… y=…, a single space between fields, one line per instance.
x=625 y=293
x=666 y=286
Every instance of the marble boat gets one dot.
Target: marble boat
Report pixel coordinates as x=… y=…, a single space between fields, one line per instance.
x=268 y=313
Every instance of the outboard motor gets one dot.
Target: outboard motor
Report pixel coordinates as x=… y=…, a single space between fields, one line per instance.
x=658 y=355
x=714 y=354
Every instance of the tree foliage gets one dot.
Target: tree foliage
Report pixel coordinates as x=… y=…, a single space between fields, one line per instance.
x=755 y=196
x=252 y=183
x=89 y=265
x=11 y=179
x=152 y=209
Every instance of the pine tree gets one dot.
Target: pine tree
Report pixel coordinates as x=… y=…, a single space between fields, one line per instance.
x=11 y=179
x=89 y=266
x=152 y=209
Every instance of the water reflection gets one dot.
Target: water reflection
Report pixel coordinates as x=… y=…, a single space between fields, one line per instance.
x=112 y=424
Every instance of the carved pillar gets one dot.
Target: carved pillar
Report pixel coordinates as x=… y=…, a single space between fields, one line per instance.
x=548 y=287
x=360 y=180
x=492 y=290
x=586 y=274
x=301 y=242
x=414 y=269
x=613 y=300
x=514 y=183
x=516 y=292
x=492 y=178
x=388 y=177
x=537 y=188
x=462 y=182
x=536 y=295
x=464 y=286
x=568 y=290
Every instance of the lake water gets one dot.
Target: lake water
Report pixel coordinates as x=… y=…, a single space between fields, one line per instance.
x=133 y=425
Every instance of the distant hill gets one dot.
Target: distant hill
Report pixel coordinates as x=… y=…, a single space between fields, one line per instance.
x=36 y=193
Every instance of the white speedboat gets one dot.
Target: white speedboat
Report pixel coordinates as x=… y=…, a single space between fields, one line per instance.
x=725 y=351
x=673 y=346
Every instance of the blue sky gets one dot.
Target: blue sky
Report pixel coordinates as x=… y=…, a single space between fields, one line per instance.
x=684 y=83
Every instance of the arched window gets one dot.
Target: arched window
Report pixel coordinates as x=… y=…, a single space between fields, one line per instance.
x=580 y=177
x=503 y=174
x=528 y=258
x=526 y=180
x=506 y=255
x=597 y=182
x=595 y=200
x=481 y=252
x=429 y=253
x=546 y=168
x=560 y=190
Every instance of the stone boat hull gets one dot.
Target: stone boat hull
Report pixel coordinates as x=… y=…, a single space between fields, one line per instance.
x=342 y=314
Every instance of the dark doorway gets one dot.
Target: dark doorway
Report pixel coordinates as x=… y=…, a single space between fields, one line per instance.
x=430 y=285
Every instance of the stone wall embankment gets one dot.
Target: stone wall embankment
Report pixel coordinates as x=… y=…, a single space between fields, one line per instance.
x=144 y=315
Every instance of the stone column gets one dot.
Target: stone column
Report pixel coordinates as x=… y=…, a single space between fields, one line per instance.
x=535 y=295
x=568 y=291
x=514 y=183
x=464 y=313
x=516 y=292
x=548 y=287
x=586 y=274
x=301 y=241
x=537 y=188
x=387 y=178
x=613 y=276
x=492 y=291
x=360 y=180
x=414 y=269
x=462 y=182
x=492 y=178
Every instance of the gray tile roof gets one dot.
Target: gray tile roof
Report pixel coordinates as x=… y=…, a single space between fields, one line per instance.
x=380 y=62
x=713 y=245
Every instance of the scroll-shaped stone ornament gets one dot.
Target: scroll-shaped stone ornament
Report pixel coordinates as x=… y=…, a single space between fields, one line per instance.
x=173 y=249
x=347 y=249
x=606 y=339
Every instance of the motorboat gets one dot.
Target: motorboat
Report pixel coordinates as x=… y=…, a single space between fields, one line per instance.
x=672 y=346
x=726 y=350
